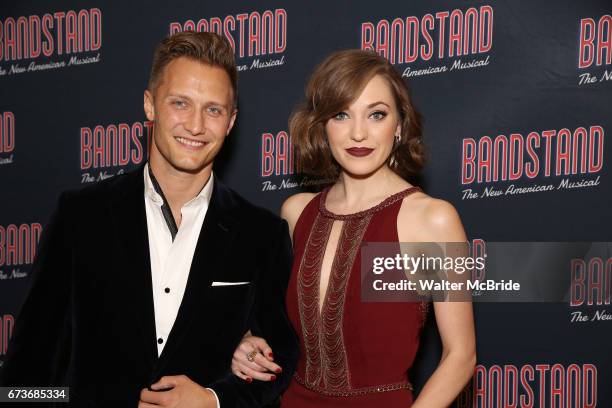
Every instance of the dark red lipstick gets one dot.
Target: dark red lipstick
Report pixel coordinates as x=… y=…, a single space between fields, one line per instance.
x=359 y=151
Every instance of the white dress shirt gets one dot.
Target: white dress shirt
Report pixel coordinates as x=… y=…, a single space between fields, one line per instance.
x=171 y=260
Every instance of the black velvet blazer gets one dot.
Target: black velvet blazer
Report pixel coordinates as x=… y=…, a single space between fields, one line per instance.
x=88 y=319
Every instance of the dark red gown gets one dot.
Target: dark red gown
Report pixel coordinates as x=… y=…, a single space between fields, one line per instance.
x=353 y=354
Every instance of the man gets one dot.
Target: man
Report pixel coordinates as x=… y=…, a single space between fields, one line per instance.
x=145 y=283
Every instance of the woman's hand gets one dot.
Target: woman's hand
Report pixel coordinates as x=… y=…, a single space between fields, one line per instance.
x=253 y=359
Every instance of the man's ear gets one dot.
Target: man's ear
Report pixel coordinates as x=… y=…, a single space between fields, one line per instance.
x=149 y=106
x=231 y=122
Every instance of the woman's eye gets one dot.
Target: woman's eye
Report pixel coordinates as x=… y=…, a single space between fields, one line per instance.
x=378 y=115
x=341 y=116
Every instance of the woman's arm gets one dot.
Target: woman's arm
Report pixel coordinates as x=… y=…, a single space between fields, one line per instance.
x=456 y=367
x=437 y=221
x=253 y=358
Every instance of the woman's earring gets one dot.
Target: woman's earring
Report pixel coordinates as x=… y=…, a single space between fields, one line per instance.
x=396 y=141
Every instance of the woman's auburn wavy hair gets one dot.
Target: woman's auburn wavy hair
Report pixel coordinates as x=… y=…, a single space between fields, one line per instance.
x=334 y=85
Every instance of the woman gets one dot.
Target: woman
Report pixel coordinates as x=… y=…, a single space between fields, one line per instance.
x=359 y=128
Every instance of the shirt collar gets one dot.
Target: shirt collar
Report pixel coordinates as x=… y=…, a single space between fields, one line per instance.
x=203 y=196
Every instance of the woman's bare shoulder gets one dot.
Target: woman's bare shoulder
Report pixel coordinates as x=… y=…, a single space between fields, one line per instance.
x=429 y=219
x=293 y=207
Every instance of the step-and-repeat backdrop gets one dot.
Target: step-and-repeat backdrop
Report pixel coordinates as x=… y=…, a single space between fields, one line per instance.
x=517 y=102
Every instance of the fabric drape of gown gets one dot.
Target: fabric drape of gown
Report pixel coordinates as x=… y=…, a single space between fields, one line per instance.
x=352 y=354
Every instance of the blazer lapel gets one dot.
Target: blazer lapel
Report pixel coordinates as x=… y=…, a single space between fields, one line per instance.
x=216 y=237
x=129 y=216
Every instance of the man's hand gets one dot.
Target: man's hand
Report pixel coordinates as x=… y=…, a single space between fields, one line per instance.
x=182 y=393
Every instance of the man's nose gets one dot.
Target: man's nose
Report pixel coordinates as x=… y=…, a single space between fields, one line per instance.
x=195 y=123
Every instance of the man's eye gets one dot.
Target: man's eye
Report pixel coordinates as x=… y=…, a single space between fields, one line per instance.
x=179 y=104
x=341 y=116
x=215 y=110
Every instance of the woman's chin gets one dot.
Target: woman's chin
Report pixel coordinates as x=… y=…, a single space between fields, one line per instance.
x=362 y=172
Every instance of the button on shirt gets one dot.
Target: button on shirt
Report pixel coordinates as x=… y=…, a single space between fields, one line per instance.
x=171 y=260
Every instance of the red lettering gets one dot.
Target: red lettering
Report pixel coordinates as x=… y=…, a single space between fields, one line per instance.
x=189 y=25
x=59 y=19
x=548 y=135
x=2 y=245
x=6 y=330
x=98 y=146
x=486 y=37
x=441 y=16
x=49 y=43
x=500 y=145
x=71 y=32
x=150 y=131
x=1 y=40
x=579 y=136
x=577 y=287
x=12 y=254
x=397 y=40
x=267 y=31
x=495 y=386
x=112 y=143
x=573 y=378
x=35 y=36
x=124 y=144
x=267 y=154
x=468 y=172
x=280 y=30
x=84 y=42
x=595 y=282
x=86 y=148
x=604 y=40
x=137 y=152
x=10 y=46
x=589 y=385
x=241 y=19
x=7 y=132
x=533 y=168
x=484 y=160
x=22 y=38
x=563 y=152
x=367 y=36
x=527 y=375
x=382 y=33
x=557 y=386
x=96 y=29
x=229 y=25
x=596 y=135
x=412 y=39
x=283 y=153
x=586 y=52
x=426 y=27
x=480 y=390
x=510 y=380
x=216 y=25
x=254 y=35
x=471 y=14
x=542 y=369
x=455 y=33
